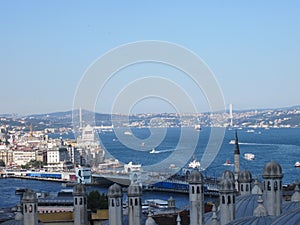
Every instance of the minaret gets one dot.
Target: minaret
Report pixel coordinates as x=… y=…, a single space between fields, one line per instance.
x=245 y=179
x=196 y=195
x=178 y=220
x=227 y=197
x=236 y=161
x=256 y=187
x=80 y=205
x=115 y=205
x=30 y=208
x=134 y=204
x=272 y=174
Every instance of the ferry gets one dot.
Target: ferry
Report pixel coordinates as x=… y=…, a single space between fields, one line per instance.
x=197 y=127
x=157 y=203
x=153 y=151
x=227 y=163
x=249 y=156
x=297 y=164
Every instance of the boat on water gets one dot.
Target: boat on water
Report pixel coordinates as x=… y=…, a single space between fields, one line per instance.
x=194 y=164
x=232 y=142
x=228 y=163
x=249 y=156
x=297 y=164
x=197 y=127
x=127 y=133
x=153 y=151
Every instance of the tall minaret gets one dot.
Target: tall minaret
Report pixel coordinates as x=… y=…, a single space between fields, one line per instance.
x=272 y=175
x=30 y=208
x=196 y=195
x=80 y=205
x=227 y=198
x=115 y=205
x=236 y=161
x=134 y=194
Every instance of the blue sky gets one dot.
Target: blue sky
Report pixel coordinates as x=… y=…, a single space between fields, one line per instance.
x=46 y=46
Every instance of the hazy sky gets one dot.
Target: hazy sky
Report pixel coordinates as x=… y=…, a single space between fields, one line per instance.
x=252 y=47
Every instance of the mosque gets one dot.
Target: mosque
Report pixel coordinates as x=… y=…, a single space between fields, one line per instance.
x=242 y=202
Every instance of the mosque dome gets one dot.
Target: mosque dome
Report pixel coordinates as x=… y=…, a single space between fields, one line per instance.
x=114 y=191
x=272 y=170
x=150 y=221
x=245 y=176
x=134 y=190
x=290 y=217
x=227 y=174
x=196 y=177
x=79 y=189
x=29 y=196
x=227 y=185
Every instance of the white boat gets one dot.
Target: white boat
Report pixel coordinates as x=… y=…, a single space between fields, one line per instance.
x=227 y=163
x=197 y=127
x=250 y=131
x=127 y=133
x=153 y=151
x=249 y=156
x=194 y=164
x=297 y=164
x=232 y=142
x=157 y=203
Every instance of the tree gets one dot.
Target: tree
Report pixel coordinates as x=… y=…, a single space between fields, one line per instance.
x=2 y=163
x=96 y=201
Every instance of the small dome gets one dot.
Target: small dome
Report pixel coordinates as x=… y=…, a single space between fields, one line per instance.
x=245 y=176
x=134 y=190
x=272 y=170
x=227 y=185
x=196 y=177
x=79 y=189
x=227 y=174
x=29 y=196
x=150 y=221
x=114 y=191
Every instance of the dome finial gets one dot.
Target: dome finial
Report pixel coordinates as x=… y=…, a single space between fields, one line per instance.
x=260 y=209
x=296 y=196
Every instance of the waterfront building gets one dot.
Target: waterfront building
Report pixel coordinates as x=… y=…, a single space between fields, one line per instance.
x=22 y=156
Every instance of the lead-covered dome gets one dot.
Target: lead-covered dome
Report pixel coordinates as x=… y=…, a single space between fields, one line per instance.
x=79 y=189
x=227 y=185
x=196 y=177
x=272 y=170
x=245 y=176
x=29 y=196
x=134 y=190
x=227 y=174
x=114 y=191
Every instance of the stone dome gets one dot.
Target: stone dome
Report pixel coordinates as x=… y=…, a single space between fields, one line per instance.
x=134 y=190
x=29 y=196
x=196 y=177
x=227 y=185
x=150 y=221
x=79 y=189
x=245 y=176
x=227 y=174
x=272 y=170
x=114 y=191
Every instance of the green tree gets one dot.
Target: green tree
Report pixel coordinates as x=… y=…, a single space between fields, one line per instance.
x=2 y=164
x=96 y=201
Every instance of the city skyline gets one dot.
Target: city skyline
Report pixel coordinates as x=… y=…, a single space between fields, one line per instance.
x=251 y=48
